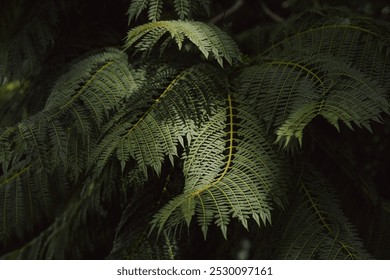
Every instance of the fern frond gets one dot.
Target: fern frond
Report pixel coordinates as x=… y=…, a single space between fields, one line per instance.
x=99 y=82
x=208 y=38
x=80 y=100
x=316 y=227
x=160 y=116
x=231 y=170
x=290 y=92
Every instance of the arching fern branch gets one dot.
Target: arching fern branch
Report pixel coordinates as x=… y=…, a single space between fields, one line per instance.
x=315 y=227
x=79 y=103
x=231 y=170
x=159 y=116
x=208 y=38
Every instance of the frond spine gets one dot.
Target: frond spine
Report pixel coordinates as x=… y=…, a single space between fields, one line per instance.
x=156 y=101
x=230 y=151
x=85 y=85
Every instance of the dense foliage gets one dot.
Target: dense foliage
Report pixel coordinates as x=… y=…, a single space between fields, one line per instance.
x=179 y=129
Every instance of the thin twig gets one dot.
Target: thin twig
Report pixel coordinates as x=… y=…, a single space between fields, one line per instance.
x=228 y=12
x=270 y=13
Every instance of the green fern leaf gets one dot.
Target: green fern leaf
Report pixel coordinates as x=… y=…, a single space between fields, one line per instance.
x=334 y=66
x=230 y=171
x=209 y=39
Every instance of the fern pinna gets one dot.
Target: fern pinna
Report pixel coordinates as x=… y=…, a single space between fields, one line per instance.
x=177 y=132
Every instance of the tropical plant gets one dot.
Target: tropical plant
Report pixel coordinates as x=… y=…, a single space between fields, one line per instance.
x=203 y=135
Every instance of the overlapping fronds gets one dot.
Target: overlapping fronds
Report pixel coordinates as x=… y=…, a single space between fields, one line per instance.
x=231 y=170
x=53 y=145
x=335 y=68
x=315 y=226
x=208 y=38
x=97 y=83
x=290 y=92
x=78 y=104
x=183 y=8
x=160 y=116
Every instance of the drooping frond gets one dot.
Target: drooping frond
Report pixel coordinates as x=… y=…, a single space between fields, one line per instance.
x=315 y=227
x=54 y=144
x=208 y=38
x=183 y=8
x=231 y=170
x=159 y=116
